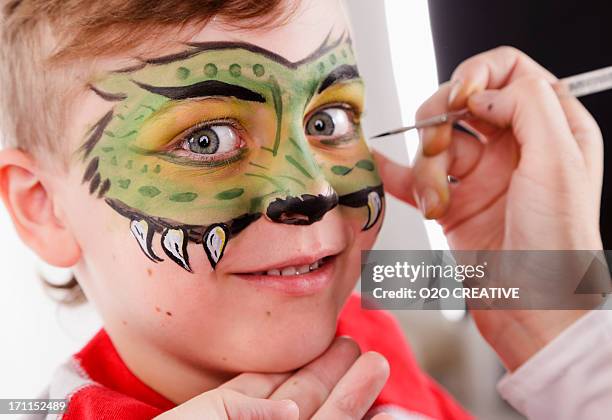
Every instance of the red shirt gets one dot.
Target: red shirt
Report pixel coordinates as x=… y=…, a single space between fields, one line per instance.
x=100 y=386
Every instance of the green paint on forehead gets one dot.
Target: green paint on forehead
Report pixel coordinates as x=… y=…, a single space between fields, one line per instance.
x=182 y=73
x=210 y=70
x=259 y=70
x=227 y=65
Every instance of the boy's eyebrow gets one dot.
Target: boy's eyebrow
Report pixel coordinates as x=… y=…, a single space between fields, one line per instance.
x=204 y=89
x=339 y=74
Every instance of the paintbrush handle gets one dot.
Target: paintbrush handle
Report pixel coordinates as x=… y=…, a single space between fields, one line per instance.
x=586 y=83
x=449 y=117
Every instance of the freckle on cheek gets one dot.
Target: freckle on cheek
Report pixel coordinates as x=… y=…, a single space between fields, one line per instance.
x=157 y=309
x=168 y=313
x=149 y=272
x=268 y=313
x=124 y=322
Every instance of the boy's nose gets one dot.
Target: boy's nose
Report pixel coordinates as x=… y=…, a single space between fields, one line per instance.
x=305 y=209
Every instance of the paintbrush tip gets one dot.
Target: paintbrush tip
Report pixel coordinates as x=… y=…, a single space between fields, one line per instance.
x=380 y=135
x=394 y=132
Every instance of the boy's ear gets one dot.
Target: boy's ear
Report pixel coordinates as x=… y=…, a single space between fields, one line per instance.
x=31 y=207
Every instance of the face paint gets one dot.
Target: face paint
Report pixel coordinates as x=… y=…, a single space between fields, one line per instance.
x=201 y=144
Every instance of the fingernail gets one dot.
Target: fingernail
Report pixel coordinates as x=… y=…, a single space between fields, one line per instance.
x=459 y=95
x=422 y=137
x=455 y=89
x=290 y=406
x=435 y=139
x=428 y=202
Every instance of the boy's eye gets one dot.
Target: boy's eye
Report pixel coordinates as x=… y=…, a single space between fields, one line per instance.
x=210 y=143
x=331 y=125
x=211 y=140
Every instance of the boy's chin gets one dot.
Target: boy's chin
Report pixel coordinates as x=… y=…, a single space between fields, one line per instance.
x=290 y=350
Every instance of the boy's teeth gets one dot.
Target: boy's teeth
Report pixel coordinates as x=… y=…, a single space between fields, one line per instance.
x=293 y=271
x=289 y=271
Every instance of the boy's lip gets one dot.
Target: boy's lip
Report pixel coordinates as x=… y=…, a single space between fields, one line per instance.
x=301 y=284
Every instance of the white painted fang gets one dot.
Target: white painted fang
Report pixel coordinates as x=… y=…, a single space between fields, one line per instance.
x=144 y=235
x=374 y=209
x=174 y=243
x=215 y=241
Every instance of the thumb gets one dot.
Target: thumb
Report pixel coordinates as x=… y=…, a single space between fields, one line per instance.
x=239 y=406
x=225 y=404
x=398 y=179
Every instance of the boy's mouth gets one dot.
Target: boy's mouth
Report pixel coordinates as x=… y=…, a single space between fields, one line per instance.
x=294 y=270
x=305 y=276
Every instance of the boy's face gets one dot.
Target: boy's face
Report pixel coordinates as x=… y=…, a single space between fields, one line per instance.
x=221 y=194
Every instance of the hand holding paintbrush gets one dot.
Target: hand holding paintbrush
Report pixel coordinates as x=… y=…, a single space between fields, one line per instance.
x=532 y=183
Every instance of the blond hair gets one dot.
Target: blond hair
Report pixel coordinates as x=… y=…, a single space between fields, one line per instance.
x=43 y=42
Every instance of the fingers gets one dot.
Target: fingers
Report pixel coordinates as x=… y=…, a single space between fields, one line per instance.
x=531 y=107
x=311 y=385
x=589 y=139
x=443 y=151
x=512 y=98
x=357 y=390
x=426 y=184
x=503 y=66
x=256 y=385
x=492 y=70
x=398 y=179
x=437 y=138
x=431 y=189
x=238 y=406
x=224 y=404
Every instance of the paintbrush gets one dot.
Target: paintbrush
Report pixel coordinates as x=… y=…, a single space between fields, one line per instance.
x=579 y=85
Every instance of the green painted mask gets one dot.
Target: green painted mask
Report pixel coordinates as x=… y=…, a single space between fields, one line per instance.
x=201 y=144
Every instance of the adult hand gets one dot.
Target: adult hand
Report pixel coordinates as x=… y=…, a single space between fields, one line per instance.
x=340 y=384
x=531 y=182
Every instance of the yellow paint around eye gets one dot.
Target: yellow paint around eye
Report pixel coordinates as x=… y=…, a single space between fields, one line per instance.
x=346 y=156
x=352 y=93
x=158 y=132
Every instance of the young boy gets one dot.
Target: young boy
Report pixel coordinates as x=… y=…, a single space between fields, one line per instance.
x=201 y=167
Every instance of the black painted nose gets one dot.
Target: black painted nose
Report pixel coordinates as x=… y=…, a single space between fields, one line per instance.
x=303 y=210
